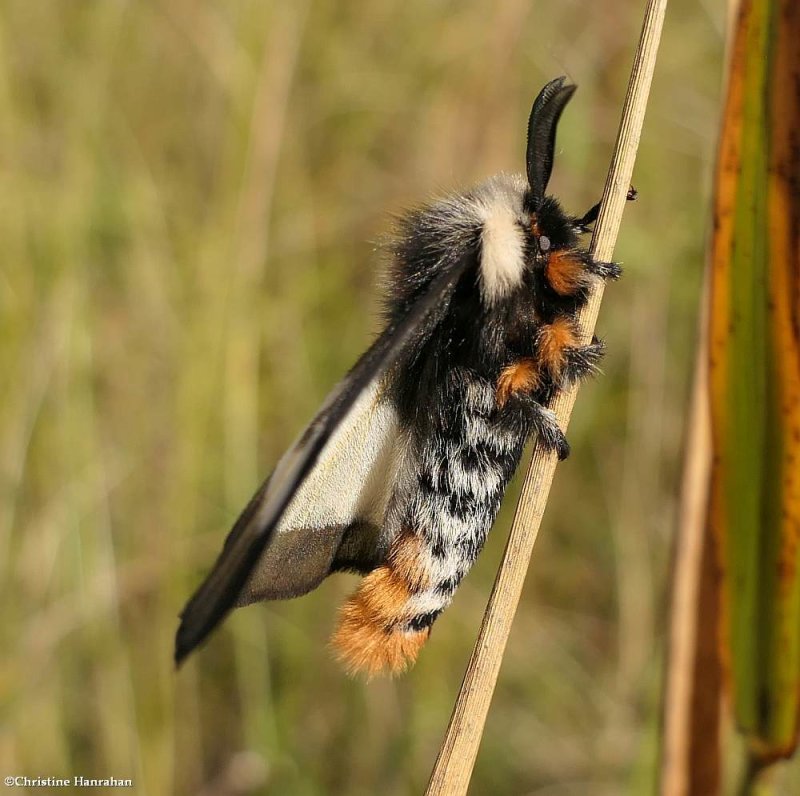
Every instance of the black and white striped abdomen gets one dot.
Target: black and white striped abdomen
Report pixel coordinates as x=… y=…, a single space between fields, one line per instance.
x=462 y=465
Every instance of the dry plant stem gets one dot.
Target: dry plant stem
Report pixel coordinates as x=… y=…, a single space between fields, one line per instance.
x=679 y=720
x=690 y=755
x=453 y=768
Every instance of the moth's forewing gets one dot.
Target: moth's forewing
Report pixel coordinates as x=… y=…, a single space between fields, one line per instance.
x=256 y=528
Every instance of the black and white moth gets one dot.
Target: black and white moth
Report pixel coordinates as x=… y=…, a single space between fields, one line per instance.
x=400 y=475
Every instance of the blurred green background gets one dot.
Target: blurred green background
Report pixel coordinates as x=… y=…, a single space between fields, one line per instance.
x=192 y=194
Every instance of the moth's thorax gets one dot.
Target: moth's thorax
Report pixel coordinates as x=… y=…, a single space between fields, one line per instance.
x=513 y=236
x=497 y=207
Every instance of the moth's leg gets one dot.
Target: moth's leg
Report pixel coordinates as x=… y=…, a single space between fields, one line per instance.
x=559 y=359
x=593 y=212
x=553 y=341
x=376 y=632
x=520 y=376
x=569 y=272
x=582 y=361
x=545 y=425
x=560 y=354
x=517 y=406
x=603 y=270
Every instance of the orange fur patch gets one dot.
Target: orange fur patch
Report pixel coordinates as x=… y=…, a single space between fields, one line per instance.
x=553 y=339
x=406 y=562
x=365 y=646
x=565 y=272
x=522 y=375
x=535 y=225
x=369 y=637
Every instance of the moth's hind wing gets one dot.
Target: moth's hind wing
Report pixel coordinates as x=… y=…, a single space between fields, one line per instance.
x=344 y=497
x=257 y=526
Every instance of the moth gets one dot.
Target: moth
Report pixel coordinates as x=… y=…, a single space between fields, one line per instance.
x=400 y=475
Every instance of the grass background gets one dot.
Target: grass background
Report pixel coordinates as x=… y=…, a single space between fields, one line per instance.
x=191 y=196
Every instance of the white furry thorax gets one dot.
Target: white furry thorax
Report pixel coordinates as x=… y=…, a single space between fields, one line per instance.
x=494 y=207
x=497 y=204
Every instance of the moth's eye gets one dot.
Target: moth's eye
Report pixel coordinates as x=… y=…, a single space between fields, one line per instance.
x=544 y=243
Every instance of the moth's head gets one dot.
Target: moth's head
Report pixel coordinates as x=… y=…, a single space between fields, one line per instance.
x=549 y=226
x=520 y=223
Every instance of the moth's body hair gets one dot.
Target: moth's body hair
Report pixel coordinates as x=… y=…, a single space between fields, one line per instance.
x=401 y=474
x=493 y=210
x=464 y=443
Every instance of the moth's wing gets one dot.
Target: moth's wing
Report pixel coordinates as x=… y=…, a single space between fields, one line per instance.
x=256 y=527
x=346 y=493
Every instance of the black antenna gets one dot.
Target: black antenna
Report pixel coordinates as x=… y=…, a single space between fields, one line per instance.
x=546 y=111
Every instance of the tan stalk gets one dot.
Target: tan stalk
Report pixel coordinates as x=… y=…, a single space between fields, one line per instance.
x=690 y=736
x=453 y=768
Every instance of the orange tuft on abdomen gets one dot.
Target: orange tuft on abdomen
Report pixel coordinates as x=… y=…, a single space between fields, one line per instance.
x=372 y=636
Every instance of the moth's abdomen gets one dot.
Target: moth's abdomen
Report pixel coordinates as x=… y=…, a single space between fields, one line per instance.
x=374 y=633
x=441 y=514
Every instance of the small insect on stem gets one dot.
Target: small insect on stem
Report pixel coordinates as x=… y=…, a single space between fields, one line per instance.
x=400 y=475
